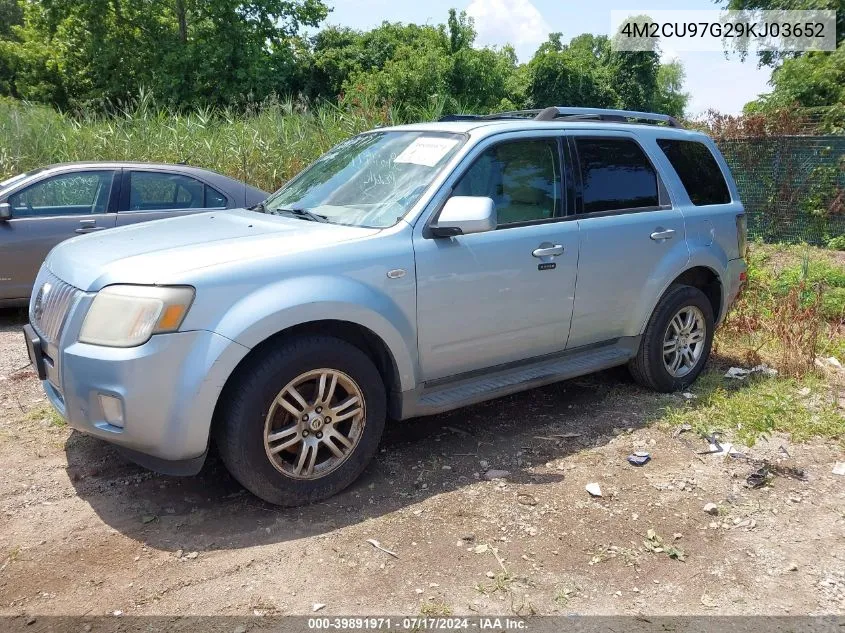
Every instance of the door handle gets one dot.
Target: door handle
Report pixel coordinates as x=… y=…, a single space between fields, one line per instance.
x=548 y=251
x=88 y=226
x=662 y=234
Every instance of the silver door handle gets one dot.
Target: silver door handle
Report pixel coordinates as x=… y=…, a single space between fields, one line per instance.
x=662 y=234
x=548 y=251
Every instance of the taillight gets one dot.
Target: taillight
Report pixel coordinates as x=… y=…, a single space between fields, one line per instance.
x=741 y=234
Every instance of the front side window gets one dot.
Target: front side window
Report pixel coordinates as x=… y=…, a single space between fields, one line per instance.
x=615 y=174
x=698 y=170
x=159 y=191
x=369 y=180
x=522 y=178
x=77 y=193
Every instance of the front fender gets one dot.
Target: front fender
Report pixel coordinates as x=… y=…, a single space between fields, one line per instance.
x=272 y=308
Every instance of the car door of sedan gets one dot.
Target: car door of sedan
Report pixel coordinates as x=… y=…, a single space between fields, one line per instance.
x=155 y=195
x=46 y=212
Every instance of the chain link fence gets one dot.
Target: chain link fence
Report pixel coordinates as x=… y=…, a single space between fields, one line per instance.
x=793 y=187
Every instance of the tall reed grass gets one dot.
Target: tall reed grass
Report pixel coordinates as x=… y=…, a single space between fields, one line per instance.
x=264 y=145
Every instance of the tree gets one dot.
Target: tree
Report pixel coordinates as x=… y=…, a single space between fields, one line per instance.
x=11 y=17
x=422 y=68
x=815 y=79
x=633 y=74
x=573 y=75
x=774 y=58
x=670 y=97
x=188 y=52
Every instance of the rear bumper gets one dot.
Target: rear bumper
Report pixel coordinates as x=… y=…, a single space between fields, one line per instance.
x=166 y=389
x=735 y=278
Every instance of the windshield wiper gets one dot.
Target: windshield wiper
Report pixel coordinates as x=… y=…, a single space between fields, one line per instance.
x=305 y=214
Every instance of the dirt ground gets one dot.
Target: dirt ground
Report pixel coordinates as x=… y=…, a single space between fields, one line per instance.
x=82 y=531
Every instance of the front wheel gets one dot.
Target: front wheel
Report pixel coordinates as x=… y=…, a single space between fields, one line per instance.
x=301 y=420
x=676 y=342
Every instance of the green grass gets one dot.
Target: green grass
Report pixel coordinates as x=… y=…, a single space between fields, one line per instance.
x=48 y=413
x=754 y=408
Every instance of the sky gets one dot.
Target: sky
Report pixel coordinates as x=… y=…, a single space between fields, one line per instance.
x=712 y=80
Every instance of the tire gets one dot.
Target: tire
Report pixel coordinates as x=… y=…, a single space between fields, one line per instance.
x=648 y=367
x=245 y=424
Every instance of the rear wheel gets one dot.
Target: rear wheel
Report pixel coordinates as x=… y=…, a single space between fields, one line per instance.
x=676 y=342
x=302 y=420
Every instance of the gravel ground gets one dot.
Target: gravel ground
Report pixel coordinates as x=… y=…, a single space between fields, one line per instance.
x=82 y=531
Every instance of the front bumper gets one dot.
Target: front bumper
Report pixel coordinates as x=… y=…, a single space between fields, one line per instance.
x=167 y=390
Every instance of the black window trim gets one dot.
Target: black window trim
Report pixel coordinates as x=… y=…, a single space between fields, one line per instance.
x=468 y=162
x=123 y=205
x=663 y=198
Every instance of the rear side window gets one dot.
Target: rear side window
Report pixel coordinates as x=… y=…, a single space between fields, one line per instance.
x=157 y=191
x=698 y=170
x=615 y=174
x=214 y=198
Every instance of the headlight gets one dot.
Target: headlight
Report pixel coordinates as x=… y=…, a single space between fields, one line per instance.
x=127 y=316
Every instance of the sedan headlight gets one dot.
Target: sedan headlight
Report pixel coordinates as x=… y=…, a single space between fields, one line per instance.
x=127 y=316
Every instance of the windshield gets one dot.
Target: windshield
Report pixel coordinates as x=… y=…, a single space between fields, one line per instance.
x=370 y=180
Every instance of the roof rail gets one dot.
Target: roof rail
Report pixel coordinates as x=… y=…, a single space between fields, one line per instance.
x=515 y=114
x=601 y=114
x=561 y=112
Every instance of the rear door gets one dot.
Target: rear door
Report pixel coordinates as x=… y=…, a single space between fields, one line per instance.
x=154 y=195
x=45 y=213
x=632 y=239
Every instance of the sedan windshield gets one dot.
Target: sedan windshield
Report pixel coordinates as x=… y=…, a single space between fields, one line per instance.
x=370 y=180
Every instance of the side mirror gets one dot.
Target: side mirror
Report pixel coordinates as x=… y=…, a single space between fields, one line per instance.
x=5 y=211
x=463 y=215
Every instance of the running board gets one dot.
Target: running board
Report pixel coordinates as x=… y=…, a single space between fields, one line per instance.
x=462 y=390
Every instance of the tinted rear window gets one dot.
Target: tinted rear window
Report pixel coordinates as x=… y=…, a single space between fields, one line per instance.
x=698 y=170
x=616 y=174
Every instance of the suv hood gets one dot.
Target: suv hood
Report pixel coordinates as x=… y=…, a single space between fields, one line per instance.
x=159 y=251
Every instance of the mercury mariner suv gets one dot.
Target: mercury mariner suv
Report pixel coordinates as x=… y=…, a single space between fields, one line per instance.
x=411 y=270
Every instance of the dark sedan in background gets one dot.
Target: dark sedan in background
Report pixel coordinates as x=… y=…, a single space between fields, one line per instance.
x=42 y=207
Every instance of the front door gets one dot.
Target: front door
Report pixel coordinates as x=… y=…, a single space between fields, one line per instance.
x=45 y=213
x=506 y=295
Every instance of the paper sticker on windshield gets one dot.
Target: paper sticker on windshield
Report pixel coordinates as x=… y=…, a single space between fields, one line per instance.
x=426 y=151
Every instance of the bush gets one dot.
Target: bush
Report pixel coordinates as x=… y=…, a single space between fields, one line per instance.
x=837 y=243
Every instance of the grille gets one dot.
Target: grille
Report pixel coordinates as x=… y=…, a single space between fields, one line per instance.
x=52 y=301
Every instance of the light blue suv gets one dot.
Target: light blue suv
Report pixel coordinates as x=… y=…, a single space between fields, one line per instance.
x=409 y=271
